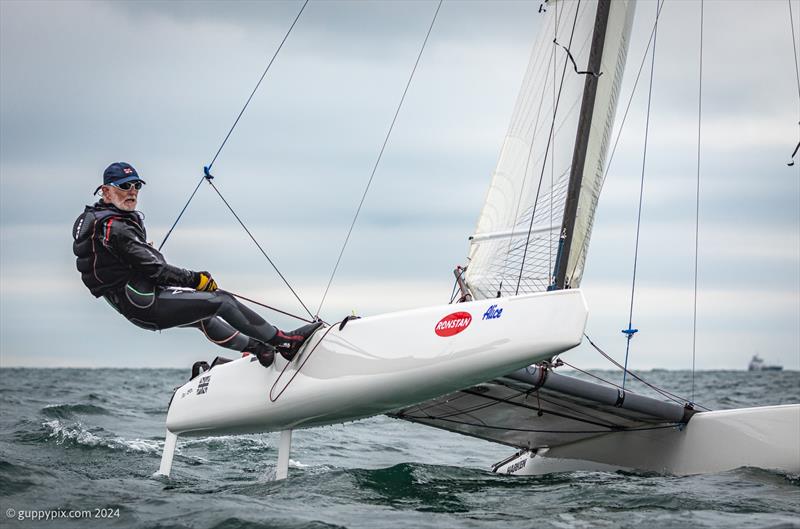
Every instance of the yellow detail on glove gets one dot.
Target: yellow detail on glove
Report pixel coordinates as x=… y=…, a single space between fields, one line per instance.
x=206 y=283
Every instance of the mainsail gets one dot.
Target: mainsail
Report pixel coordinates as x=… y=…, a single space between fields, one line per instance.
x=540 y=206
x=534 y=229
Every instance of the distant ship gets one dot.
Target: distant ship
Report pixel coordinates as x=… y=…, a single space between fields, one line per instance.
x=757 y=364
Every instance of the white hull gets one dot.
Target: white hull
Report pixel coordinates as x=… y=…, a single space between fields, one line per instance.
x=716 y=441
x=380 y=363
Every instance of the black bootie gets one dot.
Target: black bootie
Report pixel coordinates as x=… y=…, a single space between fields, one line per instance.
x=288 y=343
x=264 y=352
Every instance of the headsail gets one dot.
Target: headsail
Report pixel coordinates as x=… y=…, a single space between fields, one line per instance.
x=516 y=244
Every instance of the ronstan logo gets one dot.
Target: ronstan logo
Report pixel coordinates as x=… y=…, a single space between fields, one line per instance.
x=453 y=323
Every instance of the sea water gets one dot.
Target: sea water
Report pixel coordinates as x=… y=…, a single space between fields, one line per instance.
x=86 y=443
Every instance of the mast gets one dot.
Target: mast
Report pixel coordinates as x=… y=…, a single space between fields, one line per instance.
x=581 y=142
x=517 y=245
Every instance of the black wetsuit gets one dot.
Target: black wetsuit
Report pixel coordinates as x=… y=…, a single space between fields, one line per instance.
x=117 y=263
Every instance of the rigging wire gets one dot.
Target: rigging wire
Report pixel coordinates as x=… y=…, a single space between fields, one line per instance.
x=261 y=249
x=546 y=151
x=663 y=392
x=207 y=169
x=630 y=331
x=378 y=161
x=697 y=199
x=236 y=121
x=169 y=232
x=794 y=48
x=796 y=73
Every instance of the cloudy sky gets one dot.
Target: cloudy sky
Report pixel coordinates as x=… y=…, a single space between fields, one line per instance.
x=157 y=84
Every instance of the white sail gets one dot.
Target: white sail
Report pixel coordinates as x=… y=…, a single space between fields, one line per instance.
x=516 y=243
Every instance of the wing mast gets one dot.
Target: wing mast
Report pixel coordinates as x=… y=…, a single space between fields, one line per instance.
x=581 y=143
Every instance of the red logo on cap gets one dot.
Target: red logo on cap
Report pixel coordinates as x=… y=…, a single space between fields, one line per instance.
x=453 y=323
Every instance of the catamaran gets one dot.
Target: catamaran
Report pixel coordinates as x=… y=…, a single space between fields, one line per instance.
x=484 y=366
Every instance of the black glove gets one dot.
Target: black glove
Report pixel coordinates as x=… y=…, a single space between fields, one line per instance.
x=205 y=283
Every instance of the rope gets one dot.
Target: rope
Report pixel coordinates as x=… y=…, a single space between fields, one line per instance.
x=295 y=316
x=546 y=152
x=671 y=396
x=576 y=368
x=286 y=282
x=378 y=161
x=630 y=331
x=697 y=199
x=574 y=65
x=207 y=169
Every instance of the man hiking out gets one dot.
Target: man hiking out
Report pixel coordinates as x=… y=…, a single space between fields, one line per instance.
x=117 y=263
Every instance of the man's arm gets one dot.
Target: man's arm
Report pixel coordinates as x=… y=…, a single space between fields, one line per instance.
x=145 y=259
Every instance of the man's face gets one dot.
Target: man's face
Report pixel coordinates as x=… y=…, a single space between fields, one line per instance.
x=124 y=200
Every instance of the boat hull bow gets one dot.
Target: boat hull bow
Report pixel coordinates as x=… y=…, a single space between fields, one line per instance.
x=380 y=363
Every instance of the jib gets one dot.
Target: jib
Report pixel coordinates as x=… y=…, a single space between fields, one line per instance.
x=492 y=313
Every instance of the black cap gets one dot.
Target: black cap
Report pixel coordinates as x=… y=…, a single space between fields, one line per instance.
x=118 y=173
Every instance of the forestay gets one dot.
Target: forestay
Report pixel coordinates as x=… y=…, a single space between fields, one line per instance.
x=516 y=244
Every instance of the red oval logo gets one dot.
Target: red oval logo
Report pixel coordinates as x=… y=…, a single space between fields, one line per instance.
x=453 y=323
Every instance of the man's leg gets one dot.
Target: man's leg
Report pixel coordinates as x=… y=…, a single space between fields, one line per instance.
x=218 y=331
x=221 y=333
x=175 y=303
x=175 y=308
x=222 y=319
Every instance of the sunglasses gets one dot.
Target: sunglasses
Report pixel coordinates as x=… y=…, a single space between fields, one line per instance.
x=126 y=186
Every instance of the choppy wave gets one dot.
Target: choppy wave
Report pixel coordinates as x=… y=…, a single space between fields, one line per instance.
x=77 y=435
x=93 y=443
x=66 y=411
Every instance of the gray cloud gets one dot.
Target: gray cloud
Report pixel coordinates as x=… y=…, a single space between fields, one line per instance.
x=159 y=83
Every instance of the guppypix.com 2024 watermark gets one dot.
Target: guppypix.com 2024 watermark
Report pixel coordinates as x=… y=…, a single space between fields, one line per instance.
x=63 y=514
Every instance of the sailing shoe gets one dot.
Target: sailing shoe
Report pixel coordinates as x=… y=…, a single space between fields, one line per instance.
x=288 y=343
x=264 y=352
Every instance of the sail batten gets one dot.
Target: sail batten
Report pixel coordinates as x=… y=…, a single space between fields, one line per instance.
x=516 y=241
